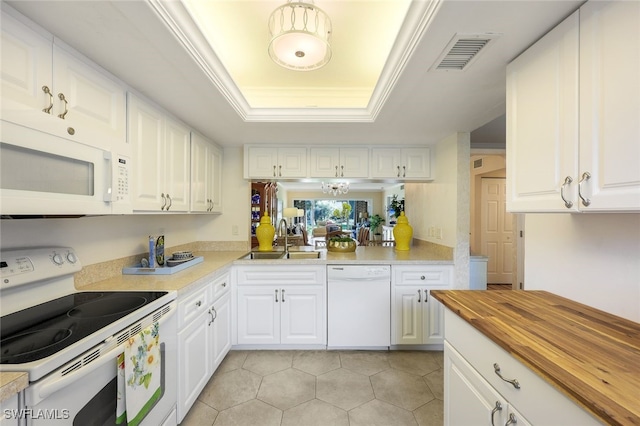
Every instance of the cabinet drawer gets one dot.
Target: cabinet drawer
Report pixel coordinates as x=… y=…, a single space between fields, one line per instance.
x=193 y=305
x=537 y=400
x=220 y=286
x=423 y=275
x=270 y=275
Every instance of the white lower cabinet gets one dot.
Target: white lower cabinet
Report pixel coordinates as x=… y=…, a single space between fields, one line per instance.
x=9 y=414
x=416 y=318
x=204 y=338
x=469 y=399
x=485 y=385
x=281 y=305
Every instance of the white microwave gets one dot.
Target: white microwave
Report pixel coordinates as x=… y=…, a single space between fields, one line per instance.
x=42 y=174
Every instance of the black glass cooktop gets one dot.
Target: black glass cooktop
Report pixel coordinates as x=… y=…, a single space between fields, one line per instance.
x=42 y=330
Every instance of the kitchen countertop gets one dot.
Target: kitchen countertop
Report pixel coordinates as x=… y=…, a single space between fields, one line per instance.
x=590 y=355
x=11 y=383
x=216 y=263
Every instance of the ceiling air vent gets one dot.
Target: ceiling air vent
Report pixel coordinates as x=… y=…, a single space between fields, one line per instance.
x=462 y=51
x=477 y=163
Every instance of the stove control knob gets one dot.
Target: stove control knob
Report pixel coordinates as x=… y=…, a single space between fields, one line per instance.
x=57 y=259
x=71 y=257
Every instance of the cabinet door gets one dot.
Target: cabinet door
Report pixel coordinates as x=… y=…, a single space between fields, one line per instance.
x=26 y=69
x=302 y=315
x=610 y=106
x=177 y=165
x=215 y=179
x=416 y=163
x=262 y=162
x=469 y=399
x=354 y=163
x=194 y=354
x=324 y=162
x=95 y=103
x=221 y=330
x=146 y=136
x=433 y=315
x=406 y=314
x=199 y=174
x=258 y=315
x=292 y=162
x=385 y=162
x=542 y=123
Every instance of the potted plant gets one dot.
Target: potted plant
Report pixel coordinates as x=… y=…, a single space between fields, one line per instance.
x=396 y=206
x=374 y=223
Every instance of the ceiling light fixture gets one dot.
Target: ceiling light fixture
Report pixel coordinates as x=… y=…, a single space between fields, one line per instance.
x=335 y=188
x=300 y=36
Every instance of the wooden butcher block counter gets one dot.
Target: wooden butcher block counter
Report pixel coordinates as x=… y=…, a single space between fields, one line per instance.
x=591 y=356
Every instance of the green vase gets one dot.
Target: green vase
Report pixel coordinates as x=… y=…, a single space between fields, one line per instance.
x=402 y=233
x=265 y=233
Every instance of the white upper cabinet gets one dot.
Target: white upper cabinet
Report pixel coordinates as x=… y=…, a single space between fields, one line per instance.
x=571 y=144
x=610 y=106
x=161 y=159
x=275 y=162
x=49 y=88
x=206 y=175
x=401 y=163
x=339 y=162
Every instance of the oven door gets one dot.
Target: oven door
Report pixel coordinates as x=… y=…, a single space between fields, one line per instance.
x=88 y=395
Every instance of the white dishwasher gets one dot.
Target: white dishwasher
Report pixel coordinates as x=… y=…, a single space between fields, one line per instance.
x=359 y=306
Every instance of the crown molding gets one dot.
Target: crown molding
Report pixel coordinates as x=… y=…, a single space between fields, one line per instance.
x=178 y=20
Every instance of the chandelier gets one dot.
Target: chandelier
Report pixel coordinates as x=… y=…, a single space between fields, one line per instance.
x=300 y=36
x=335 y=188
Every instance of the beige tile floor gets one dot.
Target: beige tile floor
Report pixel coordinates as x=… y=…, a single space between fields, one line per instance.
x=307 y=388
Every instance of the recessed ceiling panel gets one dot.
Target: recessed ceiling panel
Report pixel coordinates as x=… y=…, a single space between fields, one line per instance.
x=363 y=35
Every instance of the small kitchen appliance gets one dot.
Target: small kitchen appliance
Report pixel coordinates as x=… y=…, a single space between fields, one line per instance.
x=69 y=341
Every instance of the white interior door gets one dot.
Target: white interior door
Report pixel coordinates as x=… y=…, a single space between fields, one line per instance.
x=496 y=232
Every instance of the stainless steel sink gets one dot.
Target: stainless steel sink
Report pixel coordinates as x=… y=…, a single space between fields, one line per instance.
x=282 y=255
x=265 y=255
x=303 y=255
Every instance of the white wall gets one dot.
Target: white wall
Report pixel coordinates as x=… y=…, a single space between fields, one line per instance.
x=442 y=206
x=591 y=258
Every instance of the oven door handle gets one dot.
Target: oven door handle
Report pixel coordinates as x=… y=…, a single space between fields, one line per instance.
x=56 y=384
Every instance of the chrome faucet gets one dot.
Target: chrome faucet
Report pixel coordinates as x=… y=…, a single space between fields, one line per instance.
x=286 y=234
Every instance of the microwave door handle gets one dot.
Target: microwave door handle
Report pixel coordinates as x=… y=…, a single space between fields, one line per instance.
x=108 y=188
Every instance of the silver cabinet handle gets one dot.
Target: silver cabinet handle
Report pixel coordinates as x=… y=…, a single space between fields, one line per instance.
x=336 y=171
x=422 y=277
x=274 y=170
x=341 y=171
x=66 y=104
x=419 y=296
x=567 y=181
x=497 y=408
x=199 y=303
x=283 y=295
x=514 y=382
x=224 y=284
x=512 y=420
x=585 y=177
x=46 y=90
x=404 y=171
x=164 y=201
x=426 y=295
x=280 y=171
x=398 y=175
x=170 y=202
x=212 y=318
x=276 y=295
